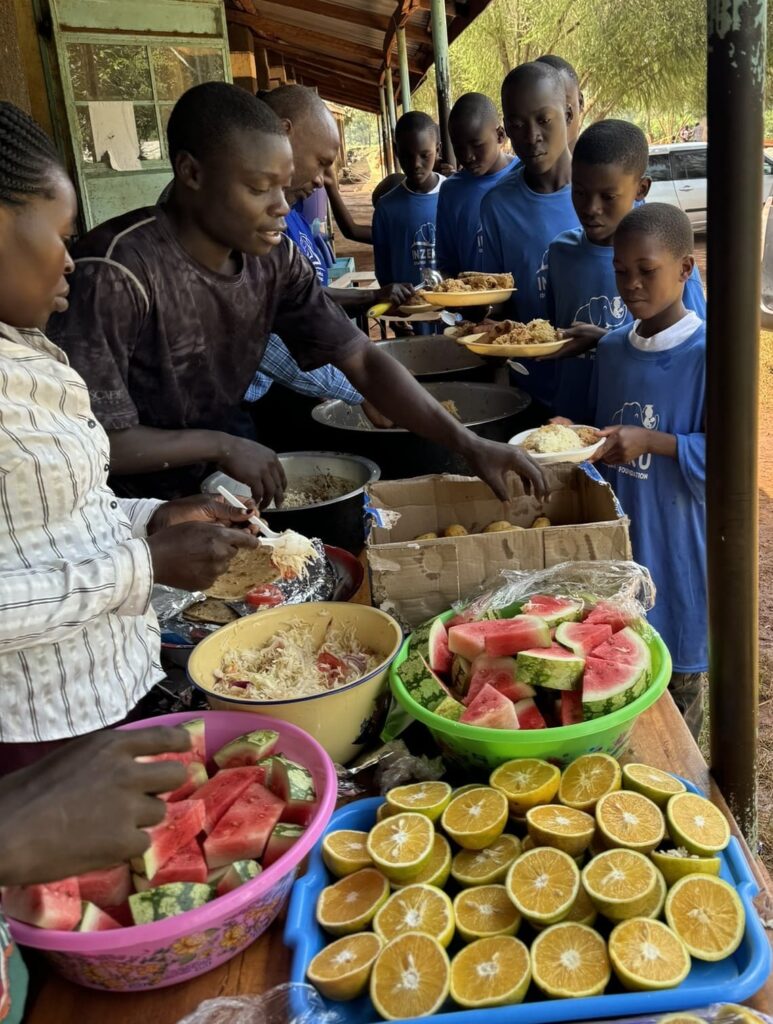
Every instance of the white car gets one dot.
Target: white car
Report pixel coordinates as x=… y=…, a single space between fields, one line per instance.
x=678 y=173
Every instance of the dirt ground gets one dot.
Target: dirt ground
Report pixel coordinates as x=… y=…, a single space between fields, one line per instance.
x=358 y=199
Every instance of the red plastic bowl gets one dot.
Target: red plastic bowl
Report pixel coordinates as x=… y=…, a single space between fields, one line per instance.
x=173 y=950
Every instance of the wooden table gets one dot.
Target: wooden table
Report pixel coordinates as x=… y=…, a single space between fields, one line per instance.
x=660 y=738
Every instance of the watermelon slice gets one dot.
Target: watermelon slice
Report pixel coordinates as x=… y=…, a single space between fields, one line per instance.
x=54 y=905
x=608 y=686
x=492 y=710
x=223 y=789
x=554 y=609
x=461 y=673
x=439 y=653
x=237 y=874
x=294 y=785
x=94 y=919
x=280 y=841
x=499 y=637
x=553 y=667
x=625 y=648
x=582 y=637
x=122 y=914
x=197 y=753
x=247 y=749
x=183 y=821
x=107 y=887
x=168 y=901
x=610 y=614
x=528 y=714
x=243 y=831
x=421 y=682
x=186 y=865
x=570 y=711
x=197 y=776
x=499 y=673
x=450 y=709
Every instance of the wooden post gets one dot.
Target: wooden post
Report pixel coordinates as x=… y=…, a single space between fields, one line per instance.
x=390 y=91
x=442 y=76
x=405 y=78
x=262 y=68
x=241 y=44
x=736 y=85
x=386 y=134
x=380 y=134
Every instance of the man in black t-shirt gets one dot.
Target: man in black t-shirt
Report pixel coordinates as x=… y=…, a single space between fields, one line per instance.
x=171 y=307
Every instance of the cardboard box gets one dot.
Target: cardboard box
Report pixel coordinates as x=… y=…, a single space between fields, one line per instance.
x=414 y=580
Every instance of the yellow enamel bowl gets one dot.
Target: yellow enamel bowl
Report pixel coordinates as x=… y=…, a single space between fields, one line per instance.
x=343 y=720
x=452 y=300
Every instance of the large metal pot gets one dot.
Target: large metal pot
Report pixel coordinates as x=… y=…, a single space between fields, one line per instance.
x=487 y=409
x=437 y=357
x=339 y=521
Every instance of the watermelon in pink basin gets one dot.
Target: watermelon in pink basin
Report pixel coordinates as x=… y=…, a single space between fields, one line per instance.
x=172 y=950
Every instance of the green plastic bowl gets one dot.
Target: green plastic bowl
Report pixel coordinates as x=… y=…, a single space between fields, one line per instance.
x=473 y=747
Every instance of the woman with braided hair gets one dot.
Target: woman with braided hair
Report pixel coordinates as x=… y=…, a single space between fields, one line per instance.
x=79 y=643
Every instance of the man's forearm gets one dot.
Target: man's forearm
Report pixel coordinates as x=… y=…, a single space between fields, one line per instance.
x=353 y=299
x=397 y=395
x=149 y=450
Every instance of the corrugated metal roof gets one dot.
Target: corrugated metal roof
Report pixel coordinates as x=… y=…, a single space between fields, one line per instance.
x=342 y=46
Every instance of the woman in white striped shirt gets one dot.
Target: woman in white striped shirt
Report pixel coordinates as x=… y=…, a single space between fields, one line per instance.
x=79 y=643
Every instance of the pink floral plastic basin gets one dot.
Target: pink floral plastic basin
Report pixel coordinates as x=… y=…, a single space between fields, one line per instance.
x=167 y=952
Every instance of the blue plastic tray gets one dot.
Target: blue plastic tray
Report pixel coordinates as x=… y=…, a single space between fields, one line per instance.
x=731 y=980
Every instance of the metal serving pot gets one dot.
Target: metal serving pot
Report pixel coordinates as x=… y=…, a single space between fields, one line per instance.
x=437 y=357
x=339 y=521
x=487 y=409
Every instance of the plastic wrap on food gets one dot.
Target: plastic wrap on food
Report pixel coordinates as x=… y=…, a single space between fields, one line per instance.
x=169 y=602
x=625 y=586
x=717 y=1013
x=383 y=769
x=319 y=584
x=284 y=1004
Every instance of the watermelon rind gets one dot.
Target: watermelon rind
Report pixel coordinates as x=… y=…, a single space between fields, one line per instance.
x=283 y=837
x=582 y=637
x=294 y=784
x=237 y=874
x=461 y=673
x=450 y=709
x=168 y=901
x=247 y=749
x=554 y=610
x=626 y=647
x=420 y=682
x=94 y=919
x=439 y=656
x=552 y=667
x=609 y=686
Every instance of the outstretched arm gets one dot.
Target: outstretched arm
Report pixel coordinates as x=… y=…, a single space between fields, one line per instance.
x=346 y=223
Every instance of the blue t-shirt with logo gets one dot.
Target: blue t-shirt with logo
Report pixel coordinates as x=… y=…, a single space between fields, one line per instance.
x=299 y=230
x=581 y=285
x=459 y=231
x=663 y=497
x=404 y=237
x=518 y=226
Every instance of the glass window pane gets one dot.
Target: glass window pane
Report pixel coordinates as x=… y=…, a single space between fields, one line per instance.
x=147 y=133
x=690 y=164
x=177 y=68
x=659 y=168
x=109 y=72
x=87 y=150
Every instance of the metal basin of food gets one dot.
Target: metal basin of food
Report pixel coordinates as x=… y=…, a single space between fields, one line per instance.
x=433 y=357
x=488 y=410
x=337 y=521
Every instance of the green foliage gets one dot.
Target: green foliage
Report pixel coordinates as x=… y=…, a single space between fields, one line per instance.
x=641 y=59
x=361 y=128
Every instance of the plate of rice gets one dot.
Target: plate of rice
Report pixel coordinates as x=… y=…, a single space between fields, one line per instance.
x=510 y=339
x=470 y=289
x=556 y=442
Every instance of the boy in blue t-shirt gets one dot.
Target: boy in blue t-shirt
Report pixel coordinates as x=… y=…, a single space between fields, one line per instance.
x=648 y=396
x=523 y=214
x=583 y=300
x=477 y=137
x=404 y=219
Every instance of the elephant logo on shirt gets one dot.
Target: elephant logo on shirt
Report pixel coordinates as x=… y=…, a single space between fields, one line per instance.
x=423 y=247
x=634 y=414
x=542 y=275
x=306 y=246
x=603 y=311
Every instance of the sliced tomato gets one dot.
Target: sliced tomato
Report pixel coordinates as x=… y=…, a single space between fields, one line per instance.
x=268 y=595
x=330 y=665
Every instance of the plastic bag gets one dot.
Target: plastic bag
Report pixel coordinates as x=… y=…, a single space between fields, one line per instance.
x=389 y=766
x=627 y=585
x=285 y=1004
x=717 y=1013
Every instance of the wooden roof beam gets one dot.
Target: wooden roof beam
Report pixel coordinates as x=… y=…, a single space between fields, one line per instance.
x=340 y=12
x=277 y=34
x=313 y=69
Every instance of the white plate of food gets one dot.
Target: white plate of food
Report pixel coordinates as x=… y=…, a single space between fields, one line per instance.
x=470 y=289
x=556 y=442
x=511 y=339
